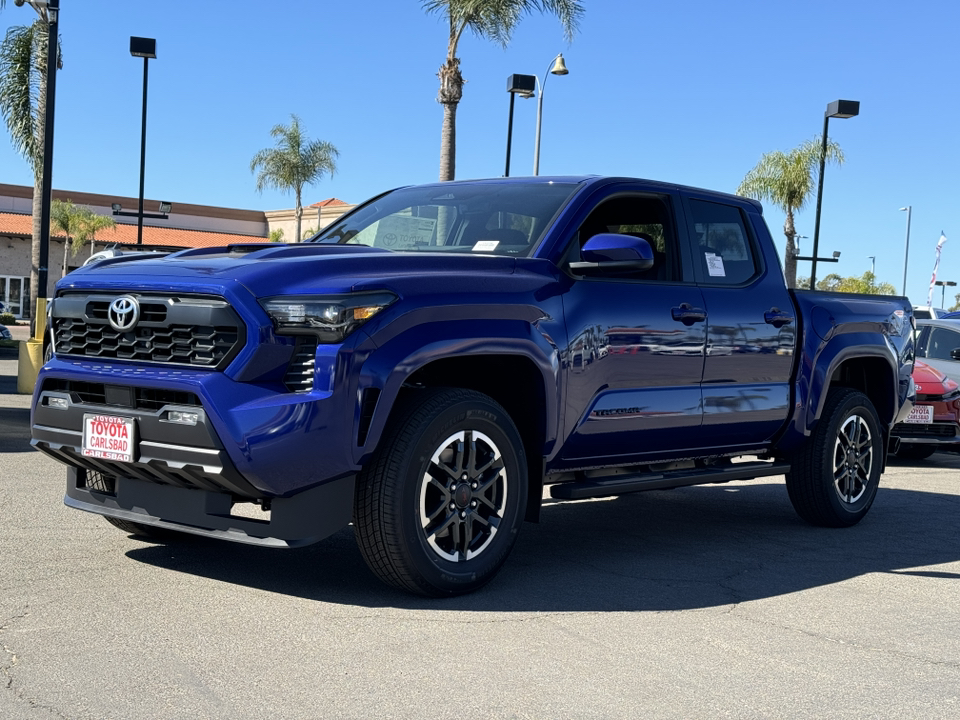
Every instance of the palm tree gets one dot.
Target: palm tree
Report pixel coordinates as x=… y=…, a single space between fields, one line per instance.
x=490 y=19
x=80 y=224
x=23 y=92
x=788 y=180
x=294 y=162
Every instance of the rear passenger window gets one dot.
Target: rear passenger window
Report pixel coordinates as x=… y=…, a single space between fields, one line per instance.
x=721 y=244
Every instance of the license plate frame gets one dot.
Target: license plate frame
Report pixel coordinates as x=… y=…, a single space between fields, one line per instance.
x=920 y=415
x=109 y=437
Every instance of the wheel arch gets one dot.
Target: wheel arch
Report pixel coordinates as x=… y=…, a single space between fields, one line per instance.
x=519 y=372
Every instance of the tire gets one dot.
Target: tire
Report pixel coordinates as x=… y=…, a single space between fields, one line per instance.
x=916 y=452
x=426 y=519
x=833 y=480
x=138 y=529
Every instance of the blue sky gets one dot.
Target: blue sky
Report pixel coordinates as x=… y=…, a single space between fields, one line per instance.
x=691 y=92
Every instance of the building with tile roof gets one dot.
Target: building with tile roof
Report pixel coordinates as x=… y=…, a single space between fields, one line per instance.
x=186 y=225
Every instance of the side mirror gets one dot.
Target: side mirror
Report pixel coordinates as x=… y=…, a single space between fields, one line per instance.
x=955 y=353
x=612 y=252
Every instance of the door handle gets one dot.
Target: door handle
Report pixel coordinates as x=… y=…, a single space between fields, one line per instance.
x=775 y=317
x=687 y=314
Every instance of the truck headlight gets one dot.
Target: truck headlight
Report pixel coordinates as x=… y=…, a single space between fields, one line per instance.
x=330 y=317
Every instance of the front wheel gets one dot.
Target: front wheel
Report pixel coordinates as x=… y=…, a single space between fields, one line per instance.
x=439 y=506
x=833 y=480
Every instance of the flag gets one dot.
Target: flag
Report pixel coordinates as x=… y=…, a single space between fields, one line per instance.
x=933 y=280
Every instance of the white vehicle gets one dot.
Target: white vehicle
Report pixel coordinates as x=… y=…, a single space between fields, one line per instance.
x=927 y=312
x=129 y=250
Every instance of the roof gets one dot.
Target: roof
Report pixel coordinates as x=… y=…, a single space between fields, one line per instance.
x=105 y=201
x=329 y=202
x=18 y=224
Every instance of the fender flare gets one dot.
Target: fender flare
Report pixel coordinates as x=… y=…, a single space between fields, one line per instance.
x=389 y=366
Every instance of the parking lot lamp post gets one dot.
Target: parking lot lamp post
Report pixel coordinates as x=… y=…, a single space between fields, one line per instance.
x=52 y=17
x=558 y=68
x=145 y=48
x=944 y=284
x=906 y=248
x=522 y=85
x=836 y=109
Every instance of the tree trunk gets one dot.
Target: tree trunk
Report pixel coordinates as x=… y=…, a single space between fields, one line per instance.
x=790 y=261
x=35 y=252
x=451 y=90
x=299 y=214
x=66 y=249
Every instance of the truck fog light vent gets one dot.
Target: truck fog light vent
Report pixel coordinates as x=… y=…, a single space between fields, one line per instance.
x=184 y=418
x=57 y=402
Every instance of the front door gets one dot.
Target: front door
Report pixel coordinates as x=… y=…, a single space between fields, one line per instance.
x=635 y=352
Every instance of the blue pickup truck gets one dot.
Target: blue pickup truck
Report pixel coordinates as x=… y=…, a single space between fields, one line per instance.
x=430 y=363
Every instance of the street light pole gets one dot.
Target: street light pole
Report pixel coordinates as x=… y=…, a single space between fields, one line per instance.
x=522 y=85
x=837 y=109
x=906 y=248
x=944 y=284
x=558 y=68
x=145 y=48
x=46 y=182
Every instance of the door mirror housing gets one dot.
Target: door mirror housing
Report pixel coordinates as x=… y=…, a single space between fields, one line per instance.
x=612 y=252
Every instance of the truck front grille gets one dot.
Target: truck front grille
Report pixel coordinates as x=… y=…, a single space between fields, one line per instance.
x=197 y=332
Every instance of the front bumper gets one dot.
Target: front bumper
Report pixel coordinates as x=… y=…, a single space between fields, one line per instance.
x=252 y=441
x=299 y=520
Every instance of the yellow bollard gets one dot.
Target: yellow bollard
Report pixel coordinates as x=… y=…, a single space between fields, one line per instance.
x=31 y=352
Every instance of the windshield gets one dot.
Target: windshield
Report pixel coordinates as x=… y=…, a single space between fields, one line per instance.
x=499 y=219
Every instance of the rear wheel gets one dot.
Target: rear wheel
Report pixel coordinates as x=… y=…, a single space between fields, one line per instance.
x=439 y=506
x=834 y=478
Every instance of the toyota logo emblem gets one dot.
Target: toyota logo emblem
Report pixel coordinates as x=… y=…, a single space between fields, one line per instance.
x=124 y=313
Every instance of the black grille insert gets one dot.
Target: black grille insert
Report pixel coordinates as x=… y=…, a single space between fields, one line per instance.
x=299 y=375
x=199 y=332
x=150 y=399
x=936 y=430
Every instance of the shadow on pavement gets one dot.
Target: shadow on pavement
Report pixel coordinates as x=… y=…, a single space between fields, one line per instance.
x=698 y=547
x=14 y=422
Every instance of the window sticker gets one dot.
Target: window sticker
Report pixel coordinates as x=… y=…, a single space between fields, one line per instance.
x=485 y=246
x=403 y=231
x=714 y=265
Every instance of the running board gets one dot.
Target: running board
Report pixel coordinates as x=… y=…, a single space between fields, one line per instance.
x=622 y=484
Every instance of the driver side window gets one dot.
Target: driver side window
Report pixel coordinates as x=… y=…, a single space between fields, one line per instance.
x=641 y=216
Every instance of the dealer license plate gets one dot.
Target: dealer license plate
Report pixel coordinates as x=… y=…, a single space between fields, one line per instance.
x=109 y=437
x=921 y=415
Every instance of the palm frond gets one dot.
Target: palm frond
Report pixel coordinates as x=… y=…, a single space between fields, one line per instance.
x=22 y=76
x=294 y=161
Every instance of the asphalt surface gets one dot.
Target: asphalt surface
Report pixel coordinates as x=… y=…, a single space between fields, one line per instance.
x=704 y=602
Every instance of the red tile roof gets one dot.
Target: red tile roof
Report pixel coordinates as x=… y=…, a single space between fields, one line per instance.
x=328 y=202
x=18 y=224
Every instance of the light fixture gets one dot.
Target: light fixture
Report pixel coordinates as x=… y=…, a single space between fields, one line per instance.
x=165 y=206
x=524 y=86
x=836 y=253
x=116 y=207
x=558 y=68
x=836 y=109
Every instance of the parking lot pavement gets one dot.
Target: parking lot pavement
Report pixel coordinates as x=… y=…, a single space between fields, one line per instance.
x=700 y=602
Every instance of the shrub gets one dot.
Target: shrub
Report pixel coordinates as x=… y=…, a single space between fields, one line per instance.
x=7 y=319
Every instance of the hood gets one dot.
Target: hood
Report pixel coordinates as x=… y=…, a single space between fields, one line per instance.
x=310 y=268
x=930 y=381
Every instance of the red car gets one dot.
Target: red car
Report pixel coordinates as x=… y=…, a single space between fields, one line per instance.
x=934 y=422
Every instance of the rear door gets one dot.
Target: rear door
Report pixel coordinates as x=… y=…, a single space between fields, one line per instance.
x=751 y=323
